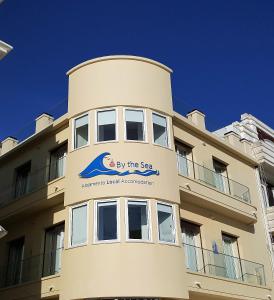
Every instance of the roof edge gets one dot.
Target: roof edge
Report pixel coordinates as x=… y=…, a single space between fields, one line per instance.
x=119 y=57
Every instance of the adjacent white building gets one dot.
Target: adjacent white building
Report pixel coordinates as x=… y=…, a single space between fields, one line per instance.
x=261 y=137
x=4 y=49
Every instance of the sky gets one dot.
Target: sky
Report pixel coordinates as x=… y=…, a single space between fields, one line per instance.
x=221 y=53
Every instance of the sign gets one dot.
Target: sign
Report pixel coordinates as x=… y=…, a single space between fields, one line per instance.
x=104 y=164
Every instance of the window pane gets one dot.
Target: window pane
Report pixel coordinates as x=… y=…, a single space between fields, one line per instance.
x=79 y=225
x=106 y=221
x=58 y=162
x=54 y=242
x=134 y=125
x=138 y=220
x=160 y=130
x=79 y=122
x=15 y=262
x=166 y=223
x=22 y=181
x=81 y=132
x=106 y=125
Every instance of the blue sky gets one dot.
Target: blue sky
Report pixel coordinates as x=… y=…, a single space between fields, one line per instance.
x=221 y=52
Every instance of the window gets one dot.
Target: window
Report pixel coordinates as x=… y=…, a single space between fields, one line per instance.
x=106 y=221
x=134 y=125
x=22 y=180
x=231 y=261
x=15 y=262
x=270 y=194
x=160 y=133
x=192 y=245
x=166 y=224
x=78 y=225
x=220 y=176
x=57 y=162
x=81 y=131
x=138 y=221
x=54 y=243
x=183 y=164
x=106 y=125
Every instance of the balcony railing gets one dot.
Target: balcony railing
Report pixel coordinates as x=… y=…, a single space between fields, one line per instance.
x=223 y=265
x=30 y=269
x=32 y=182
x=211 y=178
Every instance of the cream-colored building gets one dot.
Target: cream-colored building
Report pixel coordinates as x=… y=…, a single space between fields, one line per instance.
x=124 y=198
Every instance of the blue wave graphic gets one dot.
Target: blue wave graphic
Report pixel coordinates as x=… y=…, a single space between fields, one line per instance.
x=97 y=167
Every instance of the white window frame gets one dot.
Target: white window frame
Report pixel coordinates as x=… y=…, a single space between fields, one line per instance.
x=149 y=240
x=168 y=130
x=116 y=125
x=174 y=222
x=117 y=240
x=70 y=225
x=145 y=124
x=73 y=131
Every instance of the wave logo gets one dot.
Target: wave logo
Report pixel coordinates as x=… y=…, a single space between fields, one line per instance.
x=103 y=164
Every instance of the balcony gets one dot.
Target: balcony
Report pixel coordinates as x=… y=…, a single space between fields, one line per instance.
x=30 y=182
x=30 y=269
x=217 y=264
x=211 y=178
x=264 y=150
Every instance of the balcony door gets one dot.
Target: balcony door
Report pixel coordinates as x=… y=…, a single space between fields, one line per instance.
x=15 y=262
x=54 y=241
x=232 y=263
x=22 y=180
x=192 y=245
x=182 y=152
x=220 y=176
x=57 y=162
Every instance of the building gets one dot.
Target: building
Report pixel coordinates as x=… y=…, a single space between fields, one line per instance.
x=4 y=49
x=261 y=138
x=124 y=198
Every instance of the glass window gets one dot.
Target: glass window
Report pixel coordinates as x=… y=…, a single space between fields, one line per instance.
x=15 y=262
x=220 y=179
x=106 y=125
x=134 y=125
x=160 y=130
x=166 y=225
x=138 y=223
x=106 y=221
x=54 y=243
x=79 y=225
x=81 y=131
x=183 y=163
x=231 y=262
x=192 y=244
x=22 y=180
x=57 y=162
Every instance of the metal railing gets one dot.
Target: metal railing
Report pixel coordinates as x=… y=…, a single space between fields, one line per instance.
x=211 y=178
x=219 y=264
x=31 y=268
x=32 y=182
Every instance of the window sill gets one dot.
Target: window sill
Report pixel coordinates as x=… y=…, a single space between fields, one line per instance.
x=72 y=150
x=136 y=141
x=163 y=147
x=139 y=241
x=77 y=246
x=106 y=242
x=106 y=142
x=169 y=243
